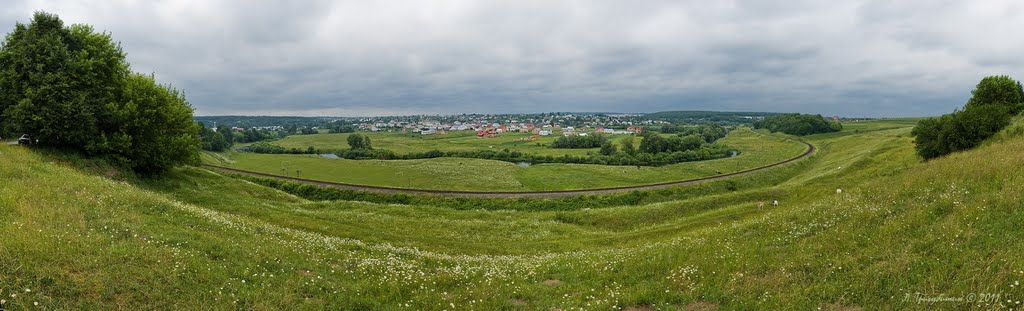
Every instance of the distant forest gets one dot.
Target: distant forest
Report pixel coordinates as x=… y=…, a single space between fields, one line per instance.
x=258 y=121
x=707 y=117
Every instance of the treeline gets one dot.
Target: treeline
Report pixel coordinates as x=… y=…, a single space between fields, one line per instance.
x=223 y=138
x=708 y=117
x=341 y=128
x=219 y=139
x=72 y=88
x=579 y=142
x=654 y=143
x=993 y=103
x=710 y=132
x=704 y=152
x=798 y=124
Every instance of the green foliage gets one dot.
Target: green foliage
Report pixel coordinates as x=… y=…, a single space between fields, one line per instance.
x=654 y=143
x=997 y=90
x=628 y=147
x=798 y=124
x=989 y=110
x=218 y=140
x=358 y=142
x=71 y=87
x=154 y=129
x=338 y=128
x=58 y=80
x=579 y=142
x=607 y=148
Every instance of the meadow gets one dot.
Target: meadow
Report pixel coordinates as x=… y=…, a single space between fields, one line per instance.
x=79 y=235
x=404 y=143
x=756 y=149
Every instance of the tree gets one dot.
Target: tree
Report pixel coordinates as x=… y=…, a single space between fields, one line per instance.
x=229 y=137
x=57 y=81
x=607 y=148
x=72 y=88
x=154 y=130
x=997 y=90
x=359 y=142
x=627 y=146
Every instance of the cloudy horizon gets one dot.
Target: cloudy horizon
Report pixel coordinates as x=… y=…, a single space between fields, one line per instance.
x=365 y=58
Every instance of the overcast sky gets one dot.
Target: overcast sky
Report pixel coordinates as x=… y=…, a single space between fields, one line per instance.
x=355 y=58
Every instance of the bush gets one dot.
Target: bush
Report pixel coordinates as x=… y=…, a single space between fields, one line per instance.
x=987 y=112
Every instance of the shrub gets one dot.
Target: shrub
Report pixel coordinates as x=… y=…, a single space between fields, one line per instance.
x=988 y=111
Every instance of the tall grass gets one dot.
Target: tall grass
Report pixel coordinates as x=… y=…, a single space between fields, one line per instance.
x=903 y=235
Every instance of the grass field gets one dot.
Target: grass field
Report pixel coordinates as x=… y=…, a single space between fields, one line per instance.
x=902 y=234
x=757 y=149
x=453 y=141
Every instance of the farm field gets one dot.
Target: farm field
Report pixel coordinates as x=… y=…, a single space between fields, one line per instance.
x=77 y=238
x=757 y=149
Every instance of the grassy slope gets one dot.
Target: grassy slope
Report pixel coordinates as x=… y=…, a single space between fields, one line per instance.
x=200 y=240
x=489 y=175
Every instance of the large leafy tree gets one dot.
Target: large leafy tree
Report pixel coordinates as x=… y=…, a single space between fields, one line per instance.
x=57 y=80
x=72 y=88
x=359 y=142
x=997 y=90
x=154 y=128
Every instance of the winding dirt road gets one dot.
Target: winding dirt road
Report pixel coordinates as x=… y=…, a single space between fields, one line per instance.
x=531 y=194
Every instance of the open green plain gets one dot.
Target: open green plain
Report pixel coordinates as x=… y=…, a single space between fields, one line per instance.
x=403 y=143
x=78 y=235
x=756 y=149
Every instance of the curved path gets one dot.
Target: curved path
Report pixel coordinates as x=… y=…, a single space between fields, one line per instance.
x=533 y=194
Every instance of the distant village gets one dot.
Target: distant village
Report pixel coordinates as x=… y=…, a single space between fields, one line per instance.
x=493 y=126
x=483 y=125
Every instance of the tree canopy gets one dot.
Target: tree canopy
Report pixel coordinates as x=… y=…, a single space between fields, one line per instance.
x=71 y=87
x=997 y=90
x=579 y=142
x=798 y=124
x=994 y=102
x=359 y=142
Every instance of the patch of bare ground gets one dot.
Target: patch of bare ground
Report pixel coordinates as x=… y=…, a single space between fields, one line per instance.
x=840 y=307
x=701 y=306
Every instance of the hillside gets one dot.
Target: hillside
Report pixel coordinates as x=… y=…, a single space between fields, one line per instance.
x=902 y=234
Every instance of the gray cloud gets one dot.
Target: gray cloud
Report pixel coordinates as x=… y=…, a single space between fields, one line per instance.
x=855 y=58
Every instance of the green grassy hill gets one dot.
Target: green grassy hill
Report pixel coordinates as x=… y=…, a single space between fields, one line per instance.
x=80 y=236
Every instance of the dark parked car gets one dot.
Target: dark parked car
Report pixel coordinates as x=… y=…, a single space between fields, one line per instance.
x=24 y=140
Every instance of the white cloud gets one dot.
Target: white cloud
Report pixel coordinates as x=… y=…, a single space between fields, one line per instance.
x=393 y=57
